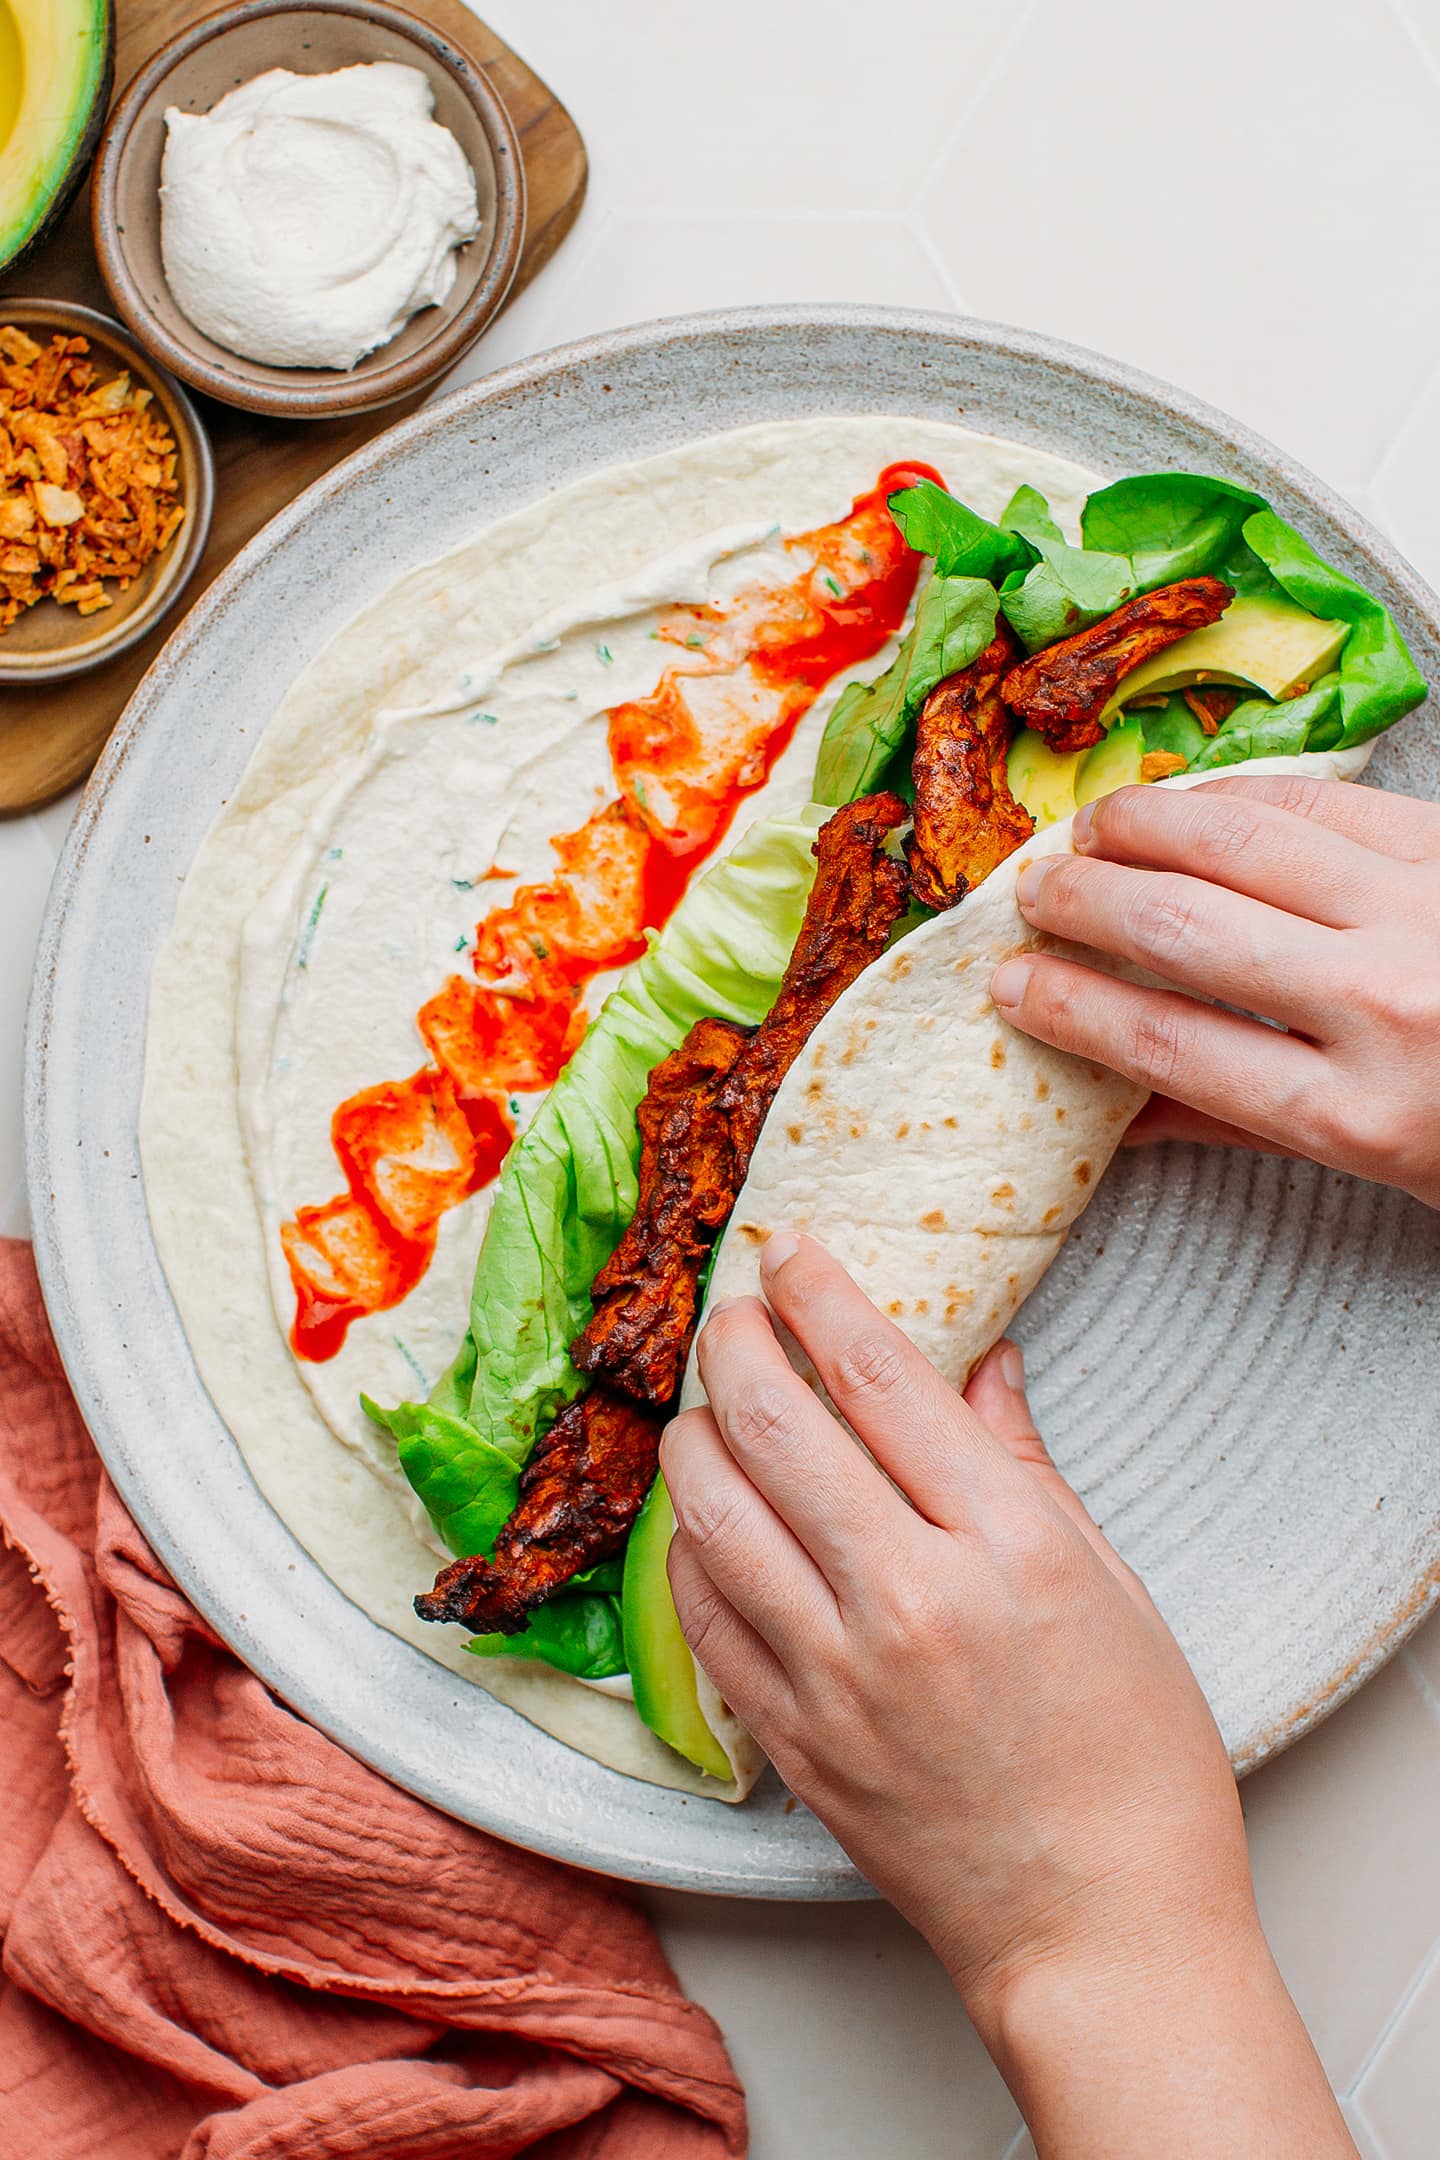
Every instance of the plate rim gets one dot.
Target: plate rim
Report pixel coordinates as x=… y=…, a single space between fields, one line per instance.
x=1027 y=349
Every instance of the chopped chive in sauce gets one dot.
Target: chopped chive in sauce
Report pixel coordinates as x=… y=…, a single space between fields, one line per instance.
x=463 y=884
x=695 y=641
x=539 y=947
x=335 y=854
x=414 y=1364
x=834 y=584
x=461 y=943
x=514 y=1105
x=307 y=935
x=604 y=655
x=483 y=719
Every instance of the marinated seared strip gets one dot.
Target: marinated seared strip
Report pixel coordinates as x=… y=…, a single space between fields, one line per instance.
x=579 y=1493
x=644 y=1296
x=583 y=1486
x=1062 y=691
x=966 y=819
x=858 y=896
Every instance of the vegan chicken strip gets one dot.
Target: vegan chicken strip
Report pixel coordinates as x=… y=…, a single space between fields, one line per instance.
x=585 y=1483
x=644 y=1296
x=966 y=819
x=1063 y=690
x=579 y=1494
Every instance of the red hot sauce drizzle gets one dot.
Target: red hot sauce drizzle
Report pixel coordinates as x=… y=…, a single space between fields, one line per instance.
x=743 y=677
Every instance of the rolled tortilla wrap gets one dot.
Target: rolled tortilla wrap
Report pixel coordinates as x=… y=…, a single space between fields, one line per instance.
x=940 y=1154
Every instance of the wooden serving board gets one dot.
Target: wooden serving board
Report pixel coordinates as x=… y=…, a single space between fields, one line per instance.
x=51 y=735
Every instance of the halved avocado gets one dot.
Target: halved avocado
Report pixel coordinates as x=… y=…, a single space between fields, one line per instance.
x=662 y=1670
x=1041 y=778
x=1272 y=644
x=57 y=60
x=1113 y=763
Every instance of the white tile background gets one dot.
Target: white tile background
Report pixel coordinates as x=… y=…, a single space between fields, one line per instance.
x=1242 y=198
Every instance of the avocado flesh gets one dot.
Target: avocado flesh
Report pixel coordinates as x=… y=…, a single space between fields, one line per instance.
x=56 y=58
x=1041 y=778
x=662 y=1670
x=1114 y=763
x=1272 y=644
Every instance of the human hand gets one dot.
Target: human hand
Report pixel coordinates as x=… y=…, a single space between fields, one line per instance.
x=1314 y=903
x=922 y=1664
x=966 y=1684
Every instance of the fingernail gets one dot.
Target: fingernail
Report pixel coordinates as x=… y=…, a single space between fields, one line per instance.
x=1028 y=884
x=1012 y=1366
x=1081 y=827
x=1007 y=984
x=778 y=1249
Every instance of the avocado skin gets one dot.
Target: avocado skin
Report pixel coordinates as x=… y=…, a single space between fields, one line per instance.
x=78 y=169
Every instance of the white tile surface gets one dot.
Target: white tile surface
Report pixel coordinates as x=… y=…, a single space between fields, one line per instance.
x=1343 y=1836
x=1243 y=200
x=1398 y=2098
x=844 y=2028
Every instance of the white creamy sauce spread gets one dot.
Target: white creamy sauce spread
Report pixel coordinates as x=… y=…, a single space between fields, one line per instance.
x=306 y=218
x=434 y=738
x=378 y=905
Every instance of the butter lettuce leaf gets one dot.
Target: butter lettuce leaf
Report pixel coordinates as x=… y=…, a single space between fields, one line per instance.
x=568 y=1189
x=1378 y=681
x=1173 y=525
x=871 y=723
x=1067 y=588
x=580 y=1635
x=468 y=1486
x=1264 y=727
x=963 y=543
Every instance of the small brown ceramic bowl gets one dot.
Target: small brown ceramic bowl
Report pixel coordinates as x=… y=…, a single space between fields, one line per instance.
x=48 y=642
x=213 y=57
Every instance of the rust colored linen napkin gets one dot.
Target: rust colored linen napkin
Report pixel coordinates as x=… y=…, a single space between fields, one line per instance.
x=225 y=1939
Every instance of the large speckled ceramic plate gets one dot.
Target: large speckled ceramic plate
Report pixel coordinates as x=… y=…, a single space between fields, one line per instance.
x=1234 y=1359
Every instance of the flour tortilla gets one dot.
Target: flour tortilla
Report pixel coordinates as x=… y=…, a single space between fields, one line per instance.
x=936 y=1151
x=346 y=1503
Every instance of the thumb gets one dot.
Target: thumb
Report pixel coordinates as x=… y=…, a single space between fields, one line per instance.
x=996 y=1393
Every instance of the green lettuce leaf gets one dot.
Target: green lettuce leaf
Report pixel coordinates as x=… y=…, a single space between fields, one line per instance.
x=1067 y=588
x=963 y=543
x=1172 y=525
x=567 y=1189
x=1264 y=727
x=1172 y=726
x=871 y=723
x=1378 y=681
x=580 y=1635
x=468 y=1486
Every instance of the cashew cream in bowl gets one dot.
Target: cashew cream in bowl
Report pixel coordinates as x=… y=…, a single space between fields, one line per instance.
x=306 y=218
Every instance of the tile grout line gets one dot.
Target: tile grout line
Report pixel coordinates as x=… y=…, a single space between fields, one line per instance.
x=965 y=111
x=1379 y=2148
x=1429 y=1964
x=1406 y=20
x=936 y=261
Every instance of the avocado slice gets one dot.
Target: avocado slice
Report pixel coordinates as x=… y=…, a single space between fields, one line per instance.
x=1272 y=644
x=57 y=60
x=1113 y=763
x=1041 y=778
x=662 y=1670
